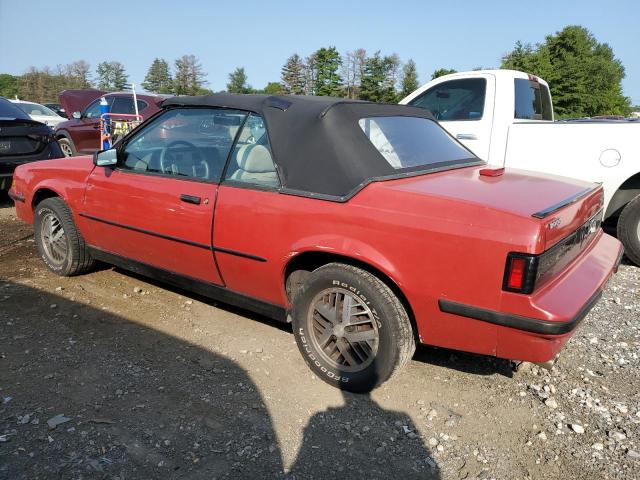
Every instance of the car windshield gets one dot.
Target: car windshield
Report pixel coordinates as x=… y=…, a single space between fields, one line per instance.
x=9 y=110
x=410 y=142
x=35 y=109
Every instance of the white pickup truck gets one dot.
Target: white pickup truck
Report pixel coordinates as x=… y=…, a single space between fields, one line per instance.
x=506 y=118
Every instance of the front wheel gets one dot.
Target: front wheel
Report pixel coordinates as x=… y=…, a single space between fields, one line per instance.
x=629 y=230
x=67 y=147
x=351 y=329
x=58 y=240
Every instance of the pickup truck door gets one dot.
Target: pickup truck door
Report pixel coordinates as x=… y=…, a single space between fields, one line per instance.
x=156 y=207
x=463 y=105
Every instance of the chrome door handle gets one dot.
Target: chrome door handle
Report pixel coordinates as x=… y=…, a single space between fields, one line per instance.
x=466 y=136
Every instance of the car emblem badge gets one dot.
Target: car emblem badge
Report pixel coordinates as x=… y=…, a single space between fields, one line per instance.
x=555 y=223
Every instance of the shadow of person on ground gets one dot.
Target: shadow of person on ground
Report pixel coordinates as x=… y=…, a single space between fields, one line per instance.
x=362 y=440
x=140 y=404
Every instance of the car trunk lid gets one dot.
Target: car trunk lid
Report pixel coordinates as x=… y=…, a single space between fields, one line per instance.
x=22 y=137
x=561 y=205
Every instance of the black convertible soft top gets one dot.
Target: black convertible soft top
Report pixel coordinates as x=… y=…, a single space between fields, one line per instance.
x=317 y=145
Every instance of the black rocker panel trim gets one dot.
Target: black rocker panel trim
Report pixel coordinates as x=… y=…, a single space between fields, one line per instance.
x=175 y=239
x=533 y=325
x=215 y=292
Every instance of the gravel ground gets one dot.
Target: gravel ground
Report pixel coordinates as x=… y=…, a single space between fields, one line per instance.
x=109 y=376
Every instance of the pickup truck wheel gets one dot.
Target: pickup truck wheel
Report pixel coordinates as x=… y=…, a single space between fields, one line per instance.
x=58 y=240
x=629 y=230
x=351 y=329
x=67 y=147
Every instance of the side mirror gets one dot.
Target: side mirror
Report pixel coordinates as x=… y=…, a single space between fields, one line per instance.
x=106 y=158
x=76 y=115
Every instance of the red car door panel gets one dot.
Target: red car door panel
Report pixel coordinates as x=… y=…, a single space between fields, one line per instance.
x=150 y=223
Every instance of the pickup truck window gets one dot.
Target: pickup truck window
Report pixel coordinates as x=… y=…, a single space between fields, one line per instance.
x=532 y=100
x=455 y=100
x=186 y=143
x=407 y=142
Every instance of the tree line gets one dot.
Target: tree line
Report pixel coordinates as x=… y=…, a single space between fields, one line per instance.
x=43 y=85
x=584 y=75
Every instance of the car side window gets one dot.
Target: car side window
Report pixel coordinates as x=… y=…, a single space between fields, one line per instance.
x=455 y=100
x=125 y=105
x=188 y=143
x=93 y=110
x=251 y=162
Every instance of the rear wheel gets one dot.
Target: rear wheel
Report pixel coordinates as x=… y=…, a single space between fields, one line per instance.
x=351 y=329
x=629 y=230
x=67 y=147
x=58 y=241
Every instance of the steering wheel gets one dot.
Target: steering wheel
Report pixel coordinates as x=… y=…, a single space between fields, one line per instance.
x=170 y=163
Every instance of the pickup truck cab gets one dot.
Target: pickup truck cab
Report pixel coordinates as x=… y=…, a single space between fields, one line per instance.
x=506 y=118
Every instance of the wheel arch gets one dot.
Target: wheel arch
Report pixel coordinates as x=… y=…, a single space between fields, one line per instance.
x=301 y=265
x=626 y=192
x=42 y=193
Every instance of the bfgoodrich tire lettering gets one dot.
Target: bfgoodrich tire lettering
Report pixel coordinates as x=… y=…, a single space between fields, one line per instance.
x=350 y=328
x=58 y=240
x=629 y=230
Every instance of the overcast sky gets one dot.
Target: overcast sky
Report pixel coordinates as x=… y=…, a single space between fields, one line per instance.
x=261 y=35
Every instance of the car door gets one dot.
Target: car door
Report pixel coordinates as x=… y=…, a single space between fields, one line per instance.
x=86 y=132
x=464 y=107
x=156 y=206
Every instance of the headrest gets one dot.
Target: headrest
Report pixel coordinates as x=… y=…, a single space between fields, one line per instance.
x=255 y=159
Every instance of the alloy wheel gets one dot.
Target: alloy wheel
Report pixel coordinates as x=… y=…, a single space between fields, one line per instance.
x=54 y=238
x=345 y=331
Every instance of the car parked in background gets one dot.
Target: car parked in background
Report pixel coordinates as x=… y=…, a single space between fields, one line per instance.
x=506 y=117
x=81 y=133
x=39 y=113
x=22 y=140
x=56 y=107
x=365 y=225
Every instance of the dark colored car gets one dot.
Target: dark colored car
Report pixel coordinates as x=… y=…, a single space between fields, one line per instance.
x=22 y=140
x=80 y=134
x=56 y=107
x=367 y=226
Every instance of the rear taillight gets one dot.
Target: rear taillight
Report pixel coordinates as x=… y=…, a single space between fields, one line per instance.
x=520 y=273
x=524 y=271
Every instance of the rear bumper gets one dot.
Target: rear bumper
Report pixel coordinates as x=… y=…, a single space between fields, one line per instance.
x=525 y=324
x=535 y=327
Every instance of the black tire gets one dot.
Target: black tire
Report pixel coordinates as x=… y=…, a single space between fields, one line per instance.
x=70 y=255
x=67 y=147
x=629 y=230
x=390 y=325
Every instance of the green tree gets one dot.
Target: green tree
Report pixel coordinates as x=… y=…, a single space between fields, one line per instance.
x=441 y=72
x=293 y=75
x=379 y=78
x=273 y=88
x=111 y=76
x=238 y=82
x=584 y=75
x=158 y=78
x=327 y=79
x=409 y=82
x=8 y=85
x=189 y=77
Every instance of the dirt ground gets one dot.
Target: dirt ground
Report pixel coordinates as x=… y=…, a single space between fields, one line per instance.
x=110 y=376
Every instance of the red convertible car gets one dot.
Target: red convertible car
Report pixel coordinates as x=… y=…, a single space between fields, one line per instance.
x=367 y=226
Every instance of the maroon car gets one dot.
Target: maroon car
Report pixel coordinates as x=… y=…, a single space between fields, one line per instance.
x=80 y=134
